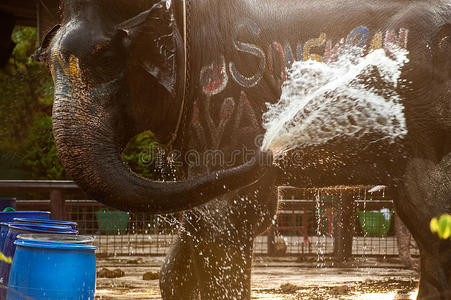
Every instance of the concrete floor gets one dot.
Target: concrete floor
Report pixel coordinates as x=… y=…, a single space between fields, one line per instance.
x=280 y=278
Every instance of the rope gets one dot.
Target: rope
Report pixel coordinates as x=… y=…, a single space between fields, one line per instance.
x=182 y=106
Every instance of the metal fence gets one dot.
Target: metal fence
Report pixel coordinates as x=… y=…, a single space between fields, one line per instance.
x=338 y=221
x=120 y=233
x=310 y=222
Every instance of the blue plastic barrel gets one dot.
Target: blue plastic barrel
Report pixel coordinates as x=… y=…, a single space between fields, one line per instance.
x=7 y=202
x=9 y=247
x=10 y=215
x=41 y=221
x=71 y=275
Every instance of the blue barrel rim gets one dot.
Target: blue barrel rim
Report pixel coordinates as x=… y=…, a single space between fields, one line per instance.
x=38 y=225
x=30 y=227
x=44 y=221
x=54 y=245
x=25 y=212
x=9 y=216
x=65 y=238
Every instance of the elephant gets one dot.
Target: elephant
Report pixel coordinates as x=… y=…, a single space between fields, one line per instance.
x=198 y=74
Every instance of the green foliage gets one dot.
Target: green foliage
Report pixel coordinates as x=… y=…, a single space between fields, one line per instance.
x=141 y=154
x=442 y=226
x=25 y=90
x=41 y=157
x=26 y=93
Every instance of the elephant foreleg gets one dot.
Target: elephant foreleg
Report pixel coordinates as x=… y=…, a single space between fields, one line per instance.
x=177 y=279
x=426 y=194
x=224 y=271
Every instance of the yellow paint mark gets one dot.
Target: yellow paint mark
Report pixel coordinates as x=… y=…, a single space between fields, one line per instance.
x=63 y=66
x=317 y=42
x=376 y=43
x=74 y=68
x=52 y=65
x=5 y=259
x=71 y=70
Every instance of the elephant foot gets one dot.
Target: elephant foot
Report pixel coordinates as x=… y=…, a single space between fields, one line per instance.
x=435 y=280
x=428 y=291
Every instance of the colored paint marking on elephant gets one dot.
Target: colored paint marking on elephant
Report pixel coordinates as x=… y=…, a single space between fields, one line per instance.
x=358 y=36
x=70 y=69
x=332 y=53
x=289 y=57
x=376 y=43
x=244 y=47
x=214 y=78
x=277 y=64
x=238 y=114
x=278 y=59
x=74 y=68
x=393 y=41
x=315 y=42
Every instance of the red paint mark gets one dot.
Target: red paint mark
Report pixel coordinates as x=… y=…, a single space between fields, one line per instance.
x=277 y=64
x=195 y=118
x=213 y=78
x=392 y=41
x=331 y=54
x=227 y=109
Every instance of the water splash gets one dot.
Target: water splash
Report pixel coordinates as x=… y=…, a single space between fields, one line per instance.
x=353 y=96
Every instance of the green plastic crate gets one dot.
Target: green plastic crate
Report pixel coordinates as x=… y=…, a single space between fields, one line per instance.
x=112 y=221
x=375 y=224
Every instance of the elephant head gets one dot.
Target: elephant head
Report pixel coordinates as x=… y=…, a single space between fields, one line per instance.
x=115 y=66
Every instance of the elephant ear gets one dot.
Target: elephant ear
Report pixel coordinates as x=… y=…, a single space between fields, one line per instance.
x=152 y=37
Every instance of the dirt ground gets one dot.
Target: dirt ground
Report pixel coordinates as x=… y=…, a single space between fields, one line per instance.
x=280 y=278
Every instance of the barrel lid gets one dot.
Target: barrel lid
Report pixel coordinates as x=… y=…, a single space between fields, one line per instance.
x=45 y=228
x=57 y=238
x=44 y=221
x=53 y=245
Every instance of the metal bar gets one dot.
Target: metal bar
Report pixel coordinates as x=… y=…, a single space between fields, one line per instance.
x=13 y=186
x=343 y=227
x=305 y=225
x=284 y=190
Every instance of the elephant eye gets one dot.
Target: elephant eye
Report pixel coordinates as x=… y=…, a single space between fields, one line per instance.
x=107 y=63
x=108 y=57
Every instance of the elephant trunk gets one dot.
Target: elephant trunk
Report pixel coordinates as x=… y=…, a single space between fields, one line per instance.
x=86 y=134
